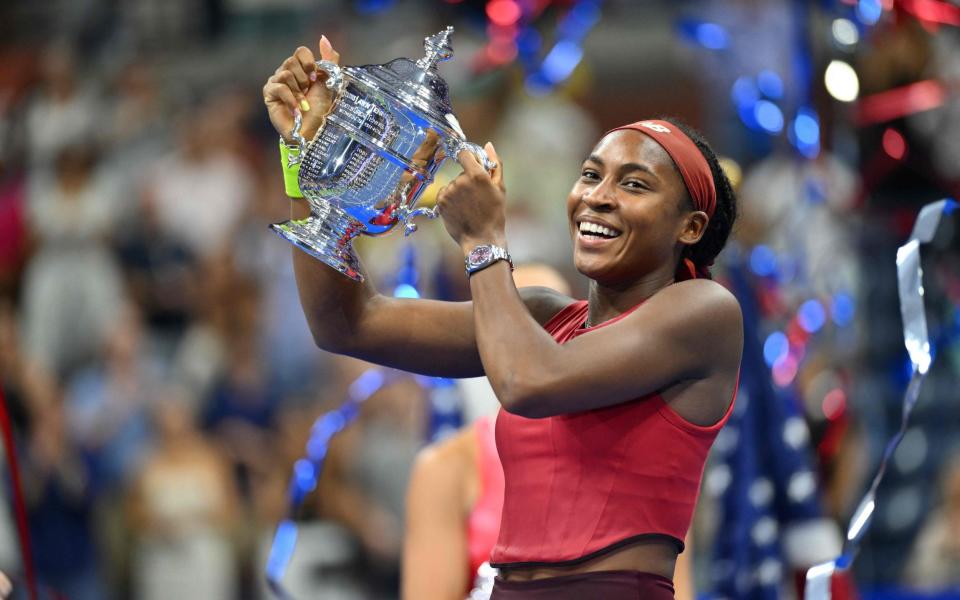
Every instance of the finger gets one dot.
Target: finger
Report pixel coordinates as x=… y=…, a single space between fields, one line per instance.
x=470 y=164
x=497 y=173
x=327 y=52
x=288 y=79
x=307 y=62
x=280 y=92
x=294 y=65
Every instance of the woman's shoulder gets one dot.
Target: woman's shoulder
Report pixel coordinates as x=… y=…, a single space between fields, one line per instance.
x=703 y=298
x=544 y=303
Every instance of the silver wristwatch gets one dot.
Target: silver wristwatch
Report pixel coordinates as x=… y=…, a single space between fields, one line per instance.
x=485 y=255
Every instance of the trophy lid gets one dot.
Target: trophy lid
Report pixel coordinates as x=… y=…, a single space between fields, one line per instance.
x=416 y=84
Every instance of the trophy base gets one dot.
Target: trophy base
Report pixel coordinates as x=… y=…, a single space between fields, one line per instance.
x=326 y=235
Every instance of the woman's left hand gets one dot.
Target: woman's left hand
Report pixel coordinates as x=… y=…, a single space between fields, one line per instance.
x=473 y=205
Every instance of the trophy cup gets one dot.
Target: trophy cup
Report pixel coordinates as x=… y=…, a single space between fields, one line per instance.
x=389 y=130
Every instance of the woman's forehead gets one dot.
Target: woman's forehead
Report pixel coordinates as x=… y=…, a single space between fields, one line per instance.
x=628 y=146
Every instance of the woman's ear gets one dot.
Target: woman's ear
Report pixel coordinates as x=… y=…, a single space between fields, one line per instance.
x=694 y=226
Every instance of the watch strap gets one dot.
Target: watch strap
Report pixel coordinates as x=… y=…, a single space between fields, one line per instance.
x=492 y=254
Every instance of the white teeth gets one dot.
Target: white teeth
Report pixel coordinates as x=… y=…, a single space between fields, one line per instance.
x=586 y=227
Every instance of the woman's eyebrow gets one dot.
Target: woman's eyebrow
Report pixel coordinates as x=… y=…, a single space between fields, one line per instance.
x=624 y=168
x=628 y=167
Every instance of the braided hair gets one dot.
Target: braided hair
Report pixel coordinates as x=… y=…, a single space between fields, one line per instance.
x=703 y=253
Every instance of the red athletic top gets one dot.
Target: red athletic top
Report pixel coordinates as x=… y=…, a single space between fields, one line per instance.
x=483 y=524
x=582 y=484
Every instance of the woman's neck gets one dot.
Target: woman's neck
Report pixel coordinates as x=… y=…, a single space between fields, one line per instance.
x=607 y=302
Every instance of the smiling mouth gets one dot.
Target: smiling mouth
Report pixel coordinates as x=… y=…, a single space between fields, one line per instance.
x=595 y=231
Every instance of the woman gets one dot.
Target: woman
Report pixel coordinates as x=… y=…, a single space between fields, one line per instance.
x=609 y=405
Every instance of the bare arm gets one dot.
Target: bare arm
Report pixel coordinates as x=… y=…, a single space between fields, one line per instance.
x=690 y=331
x=346 y=317
x=435 y=559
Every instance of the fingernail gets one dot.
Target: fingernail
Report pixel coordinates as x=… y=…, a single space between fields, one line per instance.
x=323 y=38
x=304 y=105
x=313 y=76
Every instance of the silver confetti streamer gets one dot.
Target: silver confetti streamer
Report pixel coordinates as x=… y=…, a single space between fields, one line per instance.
x=917 y=341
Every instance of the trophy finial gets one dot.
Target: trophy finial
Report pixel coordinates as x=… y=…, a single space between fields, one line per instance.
x=437 y=48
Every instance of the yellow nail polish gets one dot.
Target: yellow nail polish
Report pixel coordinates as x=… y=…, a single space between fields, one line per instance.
x=304 y=105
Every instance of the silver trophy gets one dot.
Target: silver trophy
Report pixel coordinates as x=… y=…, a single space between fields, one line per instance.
x=389 y=130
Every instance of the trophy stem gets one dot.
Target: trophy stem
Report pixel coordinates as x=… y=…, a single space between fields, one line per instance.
x=326 y=235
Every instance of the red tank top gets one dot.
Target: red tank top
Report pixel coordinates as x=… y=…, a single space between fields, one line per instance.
x=483 y=523
x=582 y=484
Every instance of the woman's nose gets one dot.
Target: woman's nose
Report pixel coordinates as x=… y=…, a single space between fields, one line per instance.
x=600 y=197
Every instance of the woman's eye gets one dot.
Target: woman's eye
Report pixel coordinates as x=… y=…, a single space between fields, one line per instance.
x=589 y=175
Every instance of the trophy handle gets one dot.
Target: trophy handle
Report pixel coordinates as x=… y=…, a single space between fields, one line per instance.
x=455 y=146
x=333 y=82
x=409 y=226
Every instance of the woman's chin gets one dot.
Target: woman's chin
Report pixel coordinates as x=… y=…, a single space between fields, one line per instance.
x=592 y=268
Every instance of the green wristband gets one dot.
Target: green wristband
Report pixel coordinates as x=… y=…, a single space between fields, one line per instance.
x=291 y=174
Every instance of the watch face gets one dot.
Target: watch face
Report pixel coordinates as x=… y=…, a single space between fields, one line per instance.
x=480 y=254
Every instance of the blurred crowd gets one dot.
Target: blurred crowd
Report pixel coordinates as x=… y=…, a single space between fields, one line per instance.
x=161 y=378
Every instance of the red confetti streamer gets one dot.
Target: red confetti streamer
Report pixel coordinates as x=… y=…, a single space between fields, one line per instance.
x=900 y=102
x=18 y=503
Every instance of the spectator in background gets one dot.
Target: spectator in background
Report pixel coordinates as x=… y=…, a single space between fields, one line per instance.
x=72 y=285
x=59 y=497
x=65 y=111
x=241 y=407
x=136 y=132
x=934 y=562
x=364 y=481
x=107 y=407
x=108 y=404
x=200 y=191
x=184 y=510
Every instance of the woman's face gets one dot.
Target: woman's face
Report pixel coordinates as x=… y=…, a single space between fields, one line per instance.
x=630 y=190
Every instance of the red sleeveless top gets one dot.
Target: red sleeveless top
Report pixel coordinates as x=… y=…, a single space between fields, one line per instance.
x=582 y=484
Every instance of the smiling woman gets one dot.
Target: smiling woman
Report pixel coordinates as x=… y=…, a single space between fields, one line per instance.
x=610 y=404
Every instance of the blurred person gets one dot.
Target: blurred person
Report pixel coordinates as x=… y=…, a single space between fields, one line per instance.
x=183 y=509
x=108 y=410
x=108 y=403
x=137 y=114
x=364 y=480
x=199 y=191
x=162 y=275
x=934 y=561
x=72 y=286
x=59 y=497
x=64 y=112
x=531 y=142
x=241 y=406
x=610 y=412
x=136 y=131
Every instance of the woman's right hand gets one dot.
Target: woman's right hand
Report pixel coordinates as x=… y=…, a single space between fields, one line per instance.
x=297 y=85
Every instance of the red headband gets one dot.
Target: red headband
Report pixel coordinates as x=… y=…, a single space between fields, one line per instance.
x=686 y=156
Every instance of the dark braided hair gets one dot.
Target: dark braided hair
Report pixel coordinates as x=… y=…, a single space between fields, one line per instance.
x=721 y=223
